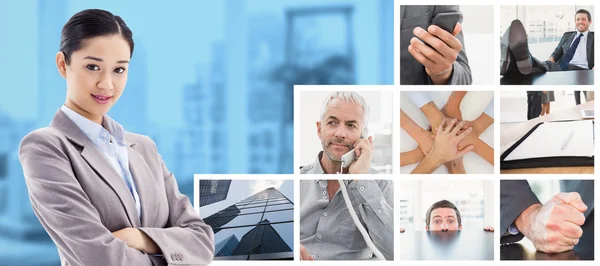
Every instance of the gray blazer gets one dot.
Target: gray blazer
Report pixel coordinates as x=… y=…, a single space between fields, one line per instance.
x=516 y=196
x=80 y=199
x=411 y=71
x=565 y=43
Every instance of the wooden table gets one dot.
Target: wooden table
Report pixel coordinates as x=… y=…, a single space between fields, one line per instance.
x=510 y=133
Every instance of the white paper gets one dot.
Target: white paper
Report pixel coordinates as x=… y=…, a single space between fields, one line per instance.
x=549 y=138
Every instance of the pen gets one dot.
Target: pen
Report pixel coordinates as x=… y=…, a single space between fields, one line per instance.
x=567 y=141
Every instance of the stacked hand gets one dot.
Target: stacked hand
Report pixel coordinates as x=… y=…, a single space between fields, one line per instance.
x=445 y=145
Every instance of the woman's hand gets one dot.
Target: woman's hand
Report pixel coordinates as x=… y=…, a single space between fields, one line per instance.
x=137 y=239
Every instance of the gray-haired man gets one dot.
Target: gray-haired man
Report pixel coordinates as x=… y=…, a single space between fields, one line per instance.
x=343 y=126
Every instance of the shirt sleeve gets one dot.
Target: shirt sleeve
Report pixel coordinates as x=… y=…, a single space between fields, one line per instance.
x=418 y=98
x=377 y=212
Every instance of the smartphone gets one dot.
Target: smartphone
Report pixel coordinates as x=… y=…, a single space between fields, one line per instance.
x=350 y=156
x=446 y=21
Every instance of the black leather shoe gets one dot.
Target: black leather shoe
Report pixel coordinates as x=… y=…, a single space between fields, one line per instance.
x=517 y=44
x=505 y=58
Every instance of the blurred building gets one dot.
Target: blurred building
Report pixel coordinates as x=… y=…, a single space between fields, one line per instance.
x=226 y=247
x=131 y=110
x=52 y=89
x=265 y=222
x=212 y=191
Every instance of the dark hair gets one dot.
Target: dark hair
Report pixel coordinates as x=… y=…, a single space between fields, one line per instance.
x=583 y=11
x=88 y=24
x=442 y=204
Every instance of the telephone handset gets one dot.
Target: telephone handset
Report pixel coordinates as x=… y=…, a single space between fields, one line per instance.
x=350 y=156
x=347 y=159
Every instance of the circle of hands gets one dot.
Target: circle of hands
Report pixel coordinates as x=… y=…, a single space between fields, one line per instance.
x=448 y=139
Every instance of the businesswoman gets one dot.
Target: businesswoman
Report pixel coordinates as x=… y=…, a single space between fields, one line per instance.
x=104 y=195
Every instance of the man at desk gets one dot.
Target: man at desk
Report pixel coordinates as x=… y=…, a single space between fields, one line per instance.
x=553 y=227
x=445 y=216
x=575 y=51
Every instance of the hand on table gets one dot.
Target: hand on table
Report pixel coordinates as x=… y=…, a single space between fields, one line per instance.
x=555 y=226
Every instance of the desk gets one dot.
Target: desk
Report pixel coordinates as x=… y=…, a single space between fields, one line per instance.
x=524 y=249
x=451 y=245
x=571 y=77
x=510 y=133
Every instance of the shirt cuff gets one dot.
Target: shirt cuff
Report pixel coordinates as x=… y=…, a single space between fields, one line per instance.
x=419 y=98
x=512 y=229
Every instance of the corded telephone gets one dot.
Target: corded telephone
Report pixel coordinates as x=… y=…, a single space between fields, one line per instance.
x=347 y=159
x=350 y=156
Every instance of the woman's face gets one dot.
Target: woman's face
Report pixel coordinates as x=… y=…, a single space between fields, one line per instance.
x=96 y=75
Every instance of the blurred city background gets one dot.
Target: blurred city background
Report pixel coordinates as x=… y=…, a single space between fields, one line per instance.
x=211 y=82
x=545 y=25
x=251 y=219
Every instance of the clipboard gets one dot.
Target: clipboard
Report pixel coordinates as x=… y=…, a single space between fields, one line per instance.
x=550 y=161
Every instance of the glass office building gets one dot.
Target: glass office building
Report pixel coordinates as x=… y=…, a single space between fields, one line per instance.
x=263 y=223
x=212 y=191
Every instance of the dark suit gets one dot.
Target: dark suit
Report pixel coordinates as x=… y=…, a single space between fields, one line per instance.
x=534 y=104
x=516 y=196
x=411 y=71
x=565 y=43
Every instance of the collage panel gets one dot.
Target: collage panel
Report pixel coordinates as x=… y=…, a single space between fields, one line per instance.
x=446 y=44
x=546 y=45
x=252 y=219
x=547 y=132
x=547 y=219
x=346 y=219
x=447 y=132
x=344 y=129
x=446 y=219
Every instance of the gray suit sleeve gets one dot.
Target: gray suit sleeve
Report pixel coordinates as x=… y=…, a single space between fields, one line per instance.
x=461 y=73
x=64 y=209
x=185 y=233
x=558 y=52
x=515 y=197
x=377 y=213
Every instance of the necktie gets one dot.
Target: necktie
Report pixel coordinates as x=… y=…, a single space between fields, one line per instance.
x=564 y=63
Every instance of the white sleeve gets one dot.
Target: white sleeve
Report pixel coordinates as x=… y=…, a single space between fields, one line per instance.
x=419 y=98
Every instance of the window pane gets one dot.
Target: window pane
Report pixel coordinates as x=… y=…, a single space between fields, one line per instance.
x=279 y=216
x=251 y=210
x=277 y=201
x=252 y=205
x=274 y=238
x=250 y=219
x=239 y=233
x=280 y=207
